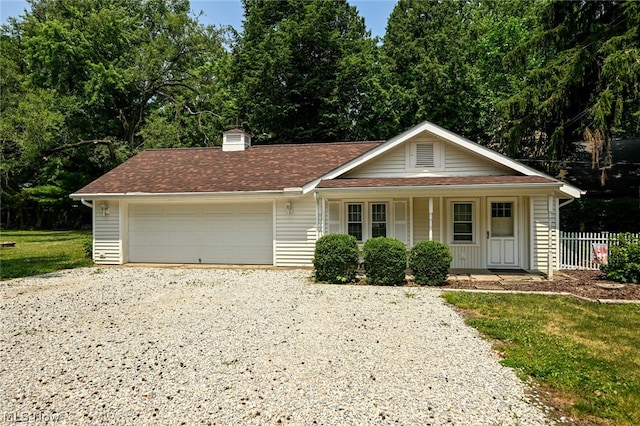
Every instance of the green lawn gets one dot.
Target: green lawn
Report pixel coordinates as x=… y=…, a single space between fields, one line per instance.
x=39 y=252
x=585 y=354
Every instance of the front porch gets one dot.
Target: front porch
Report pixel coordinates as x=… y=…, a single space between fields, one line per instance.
x=498 y=231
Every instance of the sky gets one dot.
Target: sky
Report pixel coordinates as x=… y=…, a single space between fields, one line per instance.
x=229 y=12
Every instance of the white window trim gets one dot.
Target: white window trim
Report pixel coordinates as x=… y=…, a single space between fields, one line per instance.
x=475 y=222
x=363 y=218
x=411 y=154
x=387 y=214
x=367 y=216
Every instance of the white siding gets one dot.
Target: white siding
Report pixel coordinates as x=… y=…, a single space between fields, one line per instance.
x=544 y=232
x=295 y=232
x=389 y=164
x=462 y=163
x=107 y=248
x=421 y=219
x=457 y=162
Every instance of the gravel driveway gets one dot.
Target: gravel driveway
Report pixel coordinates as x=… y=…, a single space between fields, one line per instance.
x=128 y=345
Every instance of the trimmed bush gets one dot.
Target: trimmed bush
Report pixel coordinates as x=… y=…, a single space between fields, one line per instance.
x=430 y=262
x=624 y=259
x=336 y=258
x=385 y=261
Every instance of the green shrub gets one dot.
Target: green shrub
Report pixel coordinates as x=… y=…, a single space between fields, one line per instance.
x=430 y=261
x=87 y=246
x=336 y=258
x=624 y=259
x=385 y=261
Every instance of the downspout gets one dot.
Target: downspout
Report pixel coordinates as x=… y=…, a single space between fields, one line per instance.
x=86 y=203
x=319 y=215
x=569 y=201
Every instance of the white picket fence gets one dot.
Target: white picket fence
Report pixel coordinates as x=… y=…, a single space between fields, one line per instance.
x=578 y=249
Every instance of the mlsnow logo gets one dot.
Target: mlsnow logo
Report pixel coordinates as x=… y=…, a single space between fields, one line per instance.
x=33 y=417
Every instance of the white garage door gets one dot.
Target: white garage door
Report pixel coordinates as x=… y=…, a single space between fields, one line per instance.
x=208 y=233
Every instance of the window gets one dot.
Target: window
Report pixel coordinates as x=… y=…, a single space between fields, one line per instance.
x=462 y=222
x=378 y=220
x=501 y=220
x=354 y=220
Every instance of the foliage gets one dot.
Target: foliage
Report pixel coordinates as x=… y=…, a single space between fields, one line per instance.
x=385 y=261
x=84 y=84
x=41 y=252
x=429 y=262
x=336 y=258
x=301 y=68
x=598 y=215
x=584 y=353
x=624 y=259
x=87 y=246
x=582 y=78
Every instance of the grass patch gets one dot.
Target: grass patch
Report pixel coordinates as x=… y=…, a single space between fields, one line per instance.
x=40 y=252
x=586 y=354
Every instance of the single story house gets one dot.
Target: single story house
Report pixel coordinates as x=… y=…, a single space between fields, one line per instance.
x=243 y=204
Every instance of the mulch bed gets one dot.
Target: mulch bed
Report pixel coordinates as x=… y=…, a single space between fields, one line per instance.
x=580 y=283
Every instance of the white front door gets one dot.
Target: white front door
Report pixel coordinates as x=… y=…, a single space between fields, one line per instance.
x=502 y=241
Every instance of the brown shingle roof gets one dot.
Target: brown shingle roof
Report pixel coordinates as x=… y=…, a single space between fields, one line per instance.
x=259 y=168
x=432 y=181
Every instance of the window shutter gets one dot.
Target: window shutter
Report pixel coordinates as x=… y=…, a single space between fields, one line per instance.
x=334 y=217
x=425 y=155
x=400 y=220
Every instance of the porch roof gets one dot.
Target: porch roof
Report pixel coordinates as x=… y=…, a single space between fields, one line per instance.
x=436 y=181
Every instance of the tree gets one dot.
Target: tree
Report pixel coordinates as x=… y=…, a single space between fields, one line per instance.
x=426 y=73
x=582 y=80
x=301 y=68
x=85 y=82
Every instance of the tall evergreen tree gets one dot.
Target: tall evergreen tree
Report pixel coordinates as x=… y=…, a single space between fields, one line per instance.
x=302 y=68
x=582 y=81
x=426 y=72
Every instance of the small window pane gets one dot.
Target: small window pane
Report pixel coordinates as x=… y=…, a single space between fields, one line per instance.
x=355 y=229
x=378 y=230
x=460 y=228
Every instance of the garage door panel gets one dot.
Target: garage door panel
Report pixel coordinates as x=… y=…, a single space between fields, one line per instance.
x=147 y=223
x=208 y=233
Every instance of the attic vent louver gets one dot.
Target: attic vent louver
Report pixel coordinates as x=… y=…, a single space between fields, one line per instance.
x=235 y=140
x=425 y=155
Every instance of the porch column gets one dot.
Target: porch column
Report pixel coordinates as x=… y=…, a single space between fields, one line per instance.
x=430 y=218
x=410 y=221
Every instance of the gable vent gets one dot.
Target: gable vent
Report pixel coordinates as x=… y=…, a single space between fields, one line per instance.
x=425 y=156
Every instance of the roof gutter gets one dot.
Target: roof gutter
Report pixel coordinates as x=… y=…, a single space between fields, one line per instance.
x=86 y=203
x=286 y=192
x=445 y=187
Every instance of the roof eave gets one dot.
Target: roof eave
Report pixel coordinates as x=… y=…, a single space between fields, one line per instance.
x=550 y=185
x=160 y=195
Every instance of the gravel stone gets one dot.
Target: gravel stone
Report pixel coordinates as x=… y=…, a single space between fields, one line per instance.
x=131 y=345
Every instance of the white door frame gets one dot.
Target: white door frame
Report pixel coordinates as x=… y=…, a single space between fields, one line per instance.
x=503 y=251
